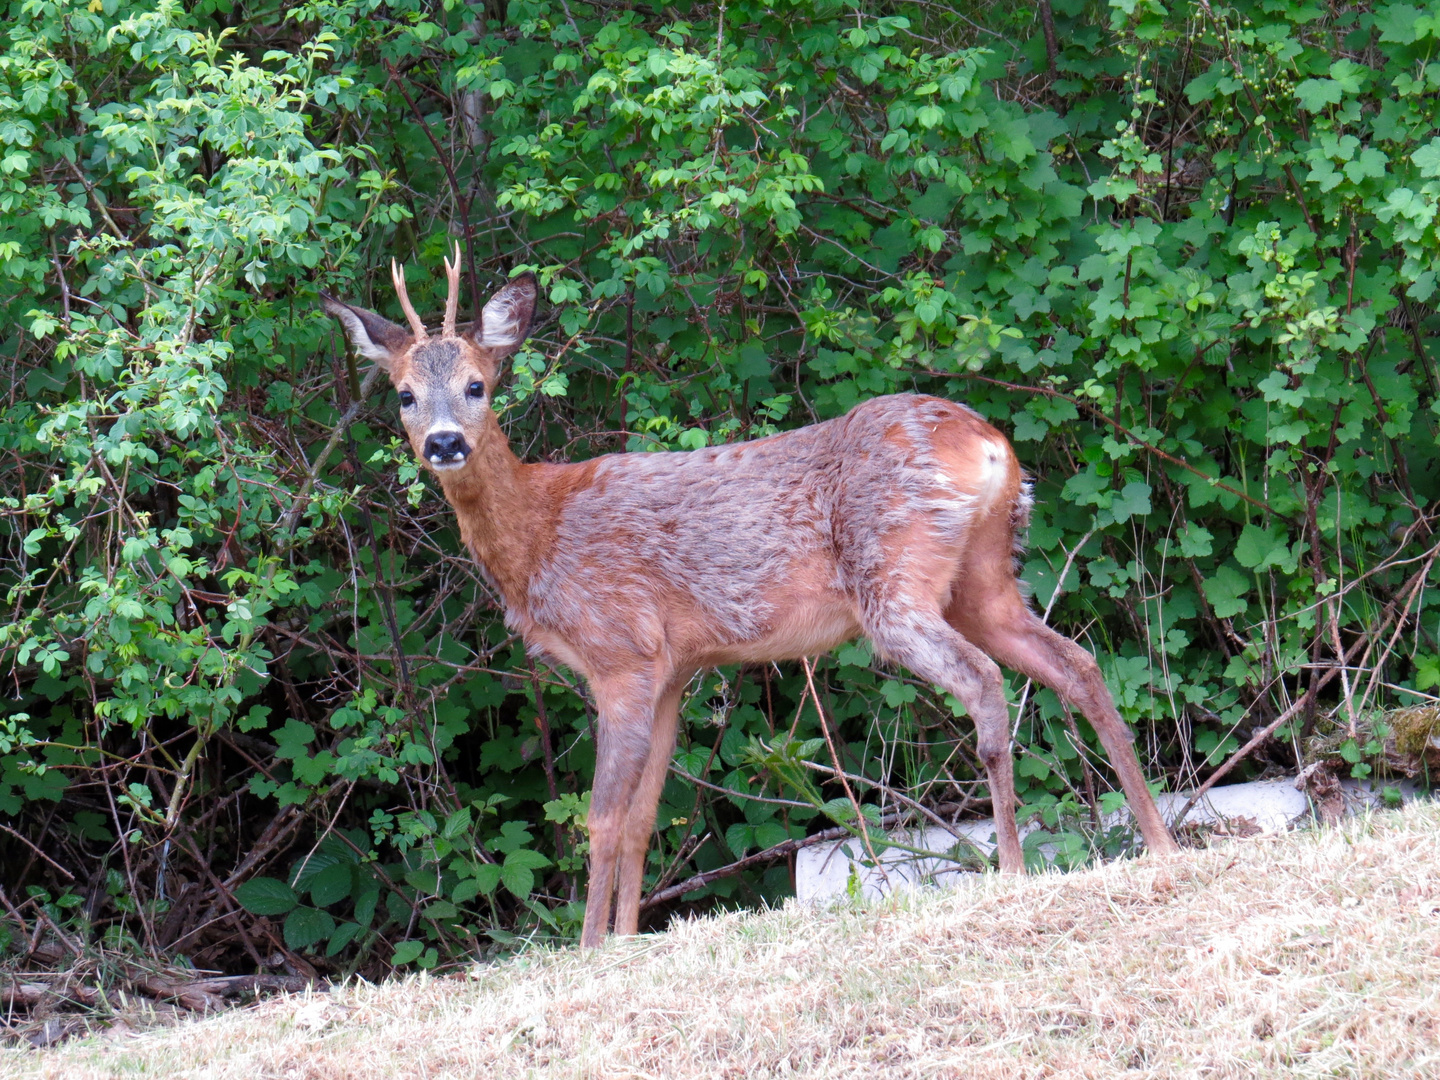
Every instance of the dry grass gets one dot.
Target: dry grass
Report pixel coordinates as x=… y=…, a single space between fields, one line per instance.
x=1307 y=955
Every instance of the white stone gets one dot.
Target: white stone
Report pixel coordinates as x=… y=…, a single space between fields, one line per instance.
x=1361 y=795
x=1272 y=804
x=823 y=872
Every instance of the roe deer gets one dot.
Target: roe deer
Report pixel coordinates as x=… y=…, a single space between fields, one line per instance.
x=897 y=521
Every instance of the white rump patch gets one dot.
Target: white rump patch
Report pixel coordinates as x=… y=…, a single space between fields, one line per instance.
x=992 y=473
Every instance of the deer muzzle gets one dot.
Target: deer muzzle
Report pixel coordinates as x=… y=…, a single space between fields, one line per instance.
x=446 y=449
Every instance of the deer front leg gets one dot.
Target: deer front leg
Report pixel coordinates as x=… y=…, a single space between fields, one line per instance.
x=641 y=820
x=624 y=735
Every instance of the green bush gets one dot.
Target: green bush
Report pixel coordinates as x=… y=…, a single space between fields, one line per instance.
x=1189 y=262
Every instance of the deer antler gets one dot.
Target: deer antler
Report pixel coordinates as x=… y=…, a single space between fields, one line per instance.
x=452 y=295
x=397 y=275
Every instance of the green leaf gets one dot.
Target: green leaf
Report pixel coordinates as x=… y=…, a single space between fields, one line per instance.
x=1226 y=591
x=313 y=863
x=466 y=889
x=740 y=838
x=1371 y=164
x=255 y=719
x=752 y=362
x=513 y=836
x=770 y=833
x=366 y=898
x=839 y=810
x=1258 y=548
x=424 y=880
x=517 y=873
x=1215 y=748
x=1314 y=94
x=457 y=824
x=291 y=740
x=406 y=952
x=331 y=885
x=1396 y=22
x=534 y=860
x=266 y=896
x=1133 y=500
x=1350 y=75
x=343 y=935
x=1033 y=766
x=1427 y=158
x=1195 y=541
x=896 y=693
x=305 y=926
x=519 y=880
x=441 y=909
x=1427 y=671
x=487 y=877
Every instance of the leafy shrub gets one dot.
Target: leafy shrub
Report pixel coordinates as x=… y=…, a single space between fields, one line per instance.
x=1189 y=262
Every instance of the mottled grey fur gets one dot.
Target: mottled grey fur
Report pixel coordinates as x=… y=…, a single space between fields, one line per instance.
x=435 y=358
x=727 y=522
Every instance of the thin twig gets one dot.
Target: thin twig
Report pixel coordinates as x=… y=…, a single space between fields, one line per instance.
x=1392 y=610
x=891 y=793
x=462 y=202
x=291 y=519
x=840 y=772
x=37 y=850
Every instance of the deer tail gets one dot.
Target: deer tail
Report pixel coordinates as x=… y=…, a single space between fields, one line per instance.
x=1004 y=487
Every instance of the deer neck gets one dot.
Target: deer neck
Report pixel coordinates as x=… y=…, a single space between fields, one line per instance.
x=500 y=516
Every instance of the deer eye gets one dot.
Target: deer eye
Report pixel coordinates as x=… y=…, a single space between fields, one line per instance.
x=476 y=389
x=406 y=399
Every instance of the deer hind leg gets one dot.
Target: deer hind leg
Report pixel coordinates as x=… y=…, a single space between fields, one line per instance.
x=919 y=638
x=998 y=620
x=640 y=820
x=625 y=731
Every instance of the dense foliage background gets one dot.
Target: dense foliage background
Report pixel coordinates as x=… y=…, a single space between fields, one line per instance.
x=260 y=710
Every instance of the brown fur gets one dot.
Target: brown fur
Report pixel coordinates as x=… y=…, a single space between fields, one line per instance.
x=897 y=521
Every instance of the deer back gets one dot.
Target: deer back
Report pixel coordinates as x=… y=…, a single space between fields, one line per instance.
x=718 y=547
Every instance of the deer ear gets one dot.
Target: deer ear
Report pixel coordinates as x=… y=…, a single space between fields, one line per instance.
x=373 y=337
x=505 y=322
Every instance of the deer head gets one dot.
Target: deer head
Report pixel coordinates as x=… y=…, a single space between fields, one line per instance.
x=446 y=382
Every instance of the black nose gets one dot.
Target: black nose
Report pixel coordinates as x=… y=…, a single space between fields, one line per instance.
x=444 y=447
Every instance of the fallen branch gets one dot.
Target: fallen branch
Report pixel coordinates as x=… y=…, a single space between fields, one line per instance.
x=206 y=995
x=200 y=995
x=770 y=854
x=30 y=994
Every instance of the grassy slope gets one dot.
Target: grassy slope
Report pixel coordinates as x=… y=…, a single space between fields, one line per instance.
x=1314 y=954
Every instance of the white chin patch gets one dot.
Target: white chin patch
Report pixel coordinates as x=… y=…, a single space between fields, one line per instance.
x=443 y=464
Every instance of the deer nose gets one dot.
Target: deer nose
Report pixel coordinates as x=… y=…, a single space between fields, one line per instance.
x=445 y=448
